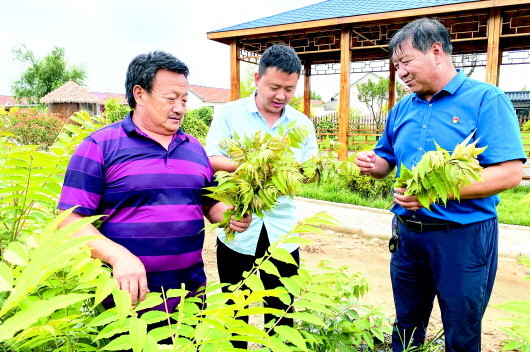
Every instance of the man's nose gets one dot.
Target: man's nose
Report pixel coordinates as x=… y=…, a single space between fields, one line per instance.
x=402 y=72
x=179 y=107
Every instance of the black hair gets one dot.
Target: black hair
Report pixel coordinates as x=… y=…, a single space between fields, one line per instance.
x=282 y=57
x=143 y=68
x=424 y=32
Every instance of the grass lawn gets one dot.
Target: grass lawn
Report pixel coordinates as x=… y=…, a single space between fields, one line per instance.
x=510 y=212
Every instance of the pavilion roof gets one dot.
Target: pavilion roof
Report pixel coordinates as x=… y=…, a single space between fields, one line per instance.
x=339 y=8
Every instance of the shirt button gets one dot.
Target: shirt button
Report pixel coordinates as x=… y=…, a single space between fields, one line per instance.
x=430 y=105
x=420 y=148
x=424 y=126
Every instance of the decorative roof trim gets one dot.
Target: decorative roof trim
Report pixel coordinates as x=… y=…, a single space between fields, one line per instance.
x=424 y=11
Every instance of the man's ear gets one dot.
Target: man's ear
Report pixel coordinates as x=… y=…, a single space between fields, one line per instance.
x=139 y=95
x=256 y=78
x=437 y=51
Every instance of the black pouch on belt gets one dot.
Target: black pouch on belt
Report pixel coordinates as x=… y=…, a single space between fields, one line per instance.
x=393 y=244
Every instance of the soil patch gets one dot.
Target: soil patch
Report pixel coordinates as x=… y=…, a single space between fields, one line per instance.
x=371 y=258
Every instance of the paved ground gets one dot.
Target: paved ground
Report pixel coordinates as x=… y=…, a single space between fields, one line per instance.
x=370 y=222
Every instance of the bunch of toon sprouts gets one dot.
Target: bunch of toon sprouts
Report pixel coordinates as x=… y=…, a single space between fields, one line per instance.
x=441 y=175
x=266 y=169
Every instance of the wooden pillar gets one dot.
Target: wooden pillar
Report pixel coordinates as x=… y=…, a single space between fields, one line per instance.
x=344 y=97
x=391 y=86
x=494 y=55
x=235 y=75
x=307 y=88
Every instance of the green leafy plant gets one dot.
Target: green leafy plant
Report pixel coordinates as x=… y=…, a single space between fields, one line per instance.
x=350 y=324
x=49 y=285
x=266 y=170
x=440 y=174
x=31 y=178
x=115 y=110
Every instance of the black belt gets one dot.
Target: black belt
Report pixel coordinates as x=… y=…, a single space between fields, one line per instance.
x=424 y=226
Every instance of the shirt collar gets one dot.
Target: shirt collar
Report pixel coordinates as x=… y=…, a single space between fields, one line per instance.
x=128 y=125
x=455 y=83
x=130 y=129
x=450 y=88
x=252 y=107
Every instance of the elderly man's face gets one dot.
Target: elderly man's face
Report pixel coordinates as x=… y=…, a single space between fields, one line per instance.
x=164 y=107
x=416 y=69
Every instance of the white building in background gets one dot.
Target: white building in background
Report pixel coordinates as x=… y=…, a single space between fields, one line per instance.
x=199 y=96
x=361 y=108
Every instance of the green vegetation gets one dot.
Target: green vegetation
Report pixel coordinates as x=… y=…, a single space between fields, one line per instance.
x=51 y=290
x=31 y=126
x=197 y=122
x=375 y=96
x=509 y=211
x=115 y=110
x=42 y=75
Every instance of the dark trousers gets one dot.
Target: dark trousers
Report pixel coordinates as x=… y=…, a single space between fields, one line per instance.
x=456 y=265
x=232 y=264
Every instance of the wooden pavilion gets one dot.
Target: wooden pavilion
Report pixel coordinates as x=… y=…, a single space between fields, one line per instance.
x=345 y=36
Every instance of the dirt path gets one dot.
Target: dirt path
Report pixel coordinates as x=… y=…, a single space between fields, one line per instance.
x=371 y=258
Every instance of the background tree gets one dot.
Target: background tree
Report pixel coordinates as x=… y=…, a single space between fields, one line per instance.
x=246 y=85
x=375 y=96
x=43 y=75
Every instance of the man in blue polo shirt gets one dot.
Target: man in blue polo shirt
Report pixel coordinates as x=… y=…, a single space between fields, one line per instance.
x=449 y=252
x=147 y=177
x=265 y=110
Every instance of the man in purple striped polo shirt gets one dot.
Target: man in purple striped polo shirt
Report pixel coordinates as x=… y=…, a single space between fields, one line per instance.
x=147 y=177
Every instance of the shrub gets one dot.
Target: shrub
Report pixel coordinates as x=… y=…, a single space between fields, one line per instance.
x=197 y=122
x=326 y=125
x=366 y=185
x=32 y=126
x=526 y=126
x=115 y=110
x=204 y=113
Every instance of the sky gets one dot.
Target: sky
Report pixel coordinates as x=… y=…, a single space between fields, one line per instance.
x=105 y=35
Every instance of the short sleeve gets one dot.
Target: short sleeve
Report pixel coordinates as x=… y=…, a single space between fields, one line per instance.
x=503 y=143
x=84 y=181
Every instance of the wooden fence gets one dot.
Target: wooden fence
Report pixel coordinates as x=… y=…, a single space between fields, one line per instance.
x=363 y=132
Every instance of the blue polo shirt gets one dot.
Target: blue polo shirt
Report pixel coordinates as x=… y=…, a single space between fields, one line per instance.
x=242 y=117
x=153 y=199
x=462 y=106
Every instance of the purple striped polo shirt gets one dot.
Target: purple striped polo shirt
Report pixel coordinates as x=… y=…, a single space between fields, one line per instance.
x=152 y=197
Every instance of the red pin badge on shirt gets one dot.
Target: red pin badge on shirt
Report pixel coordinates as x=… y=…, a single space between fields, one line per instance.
x=455 y=119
